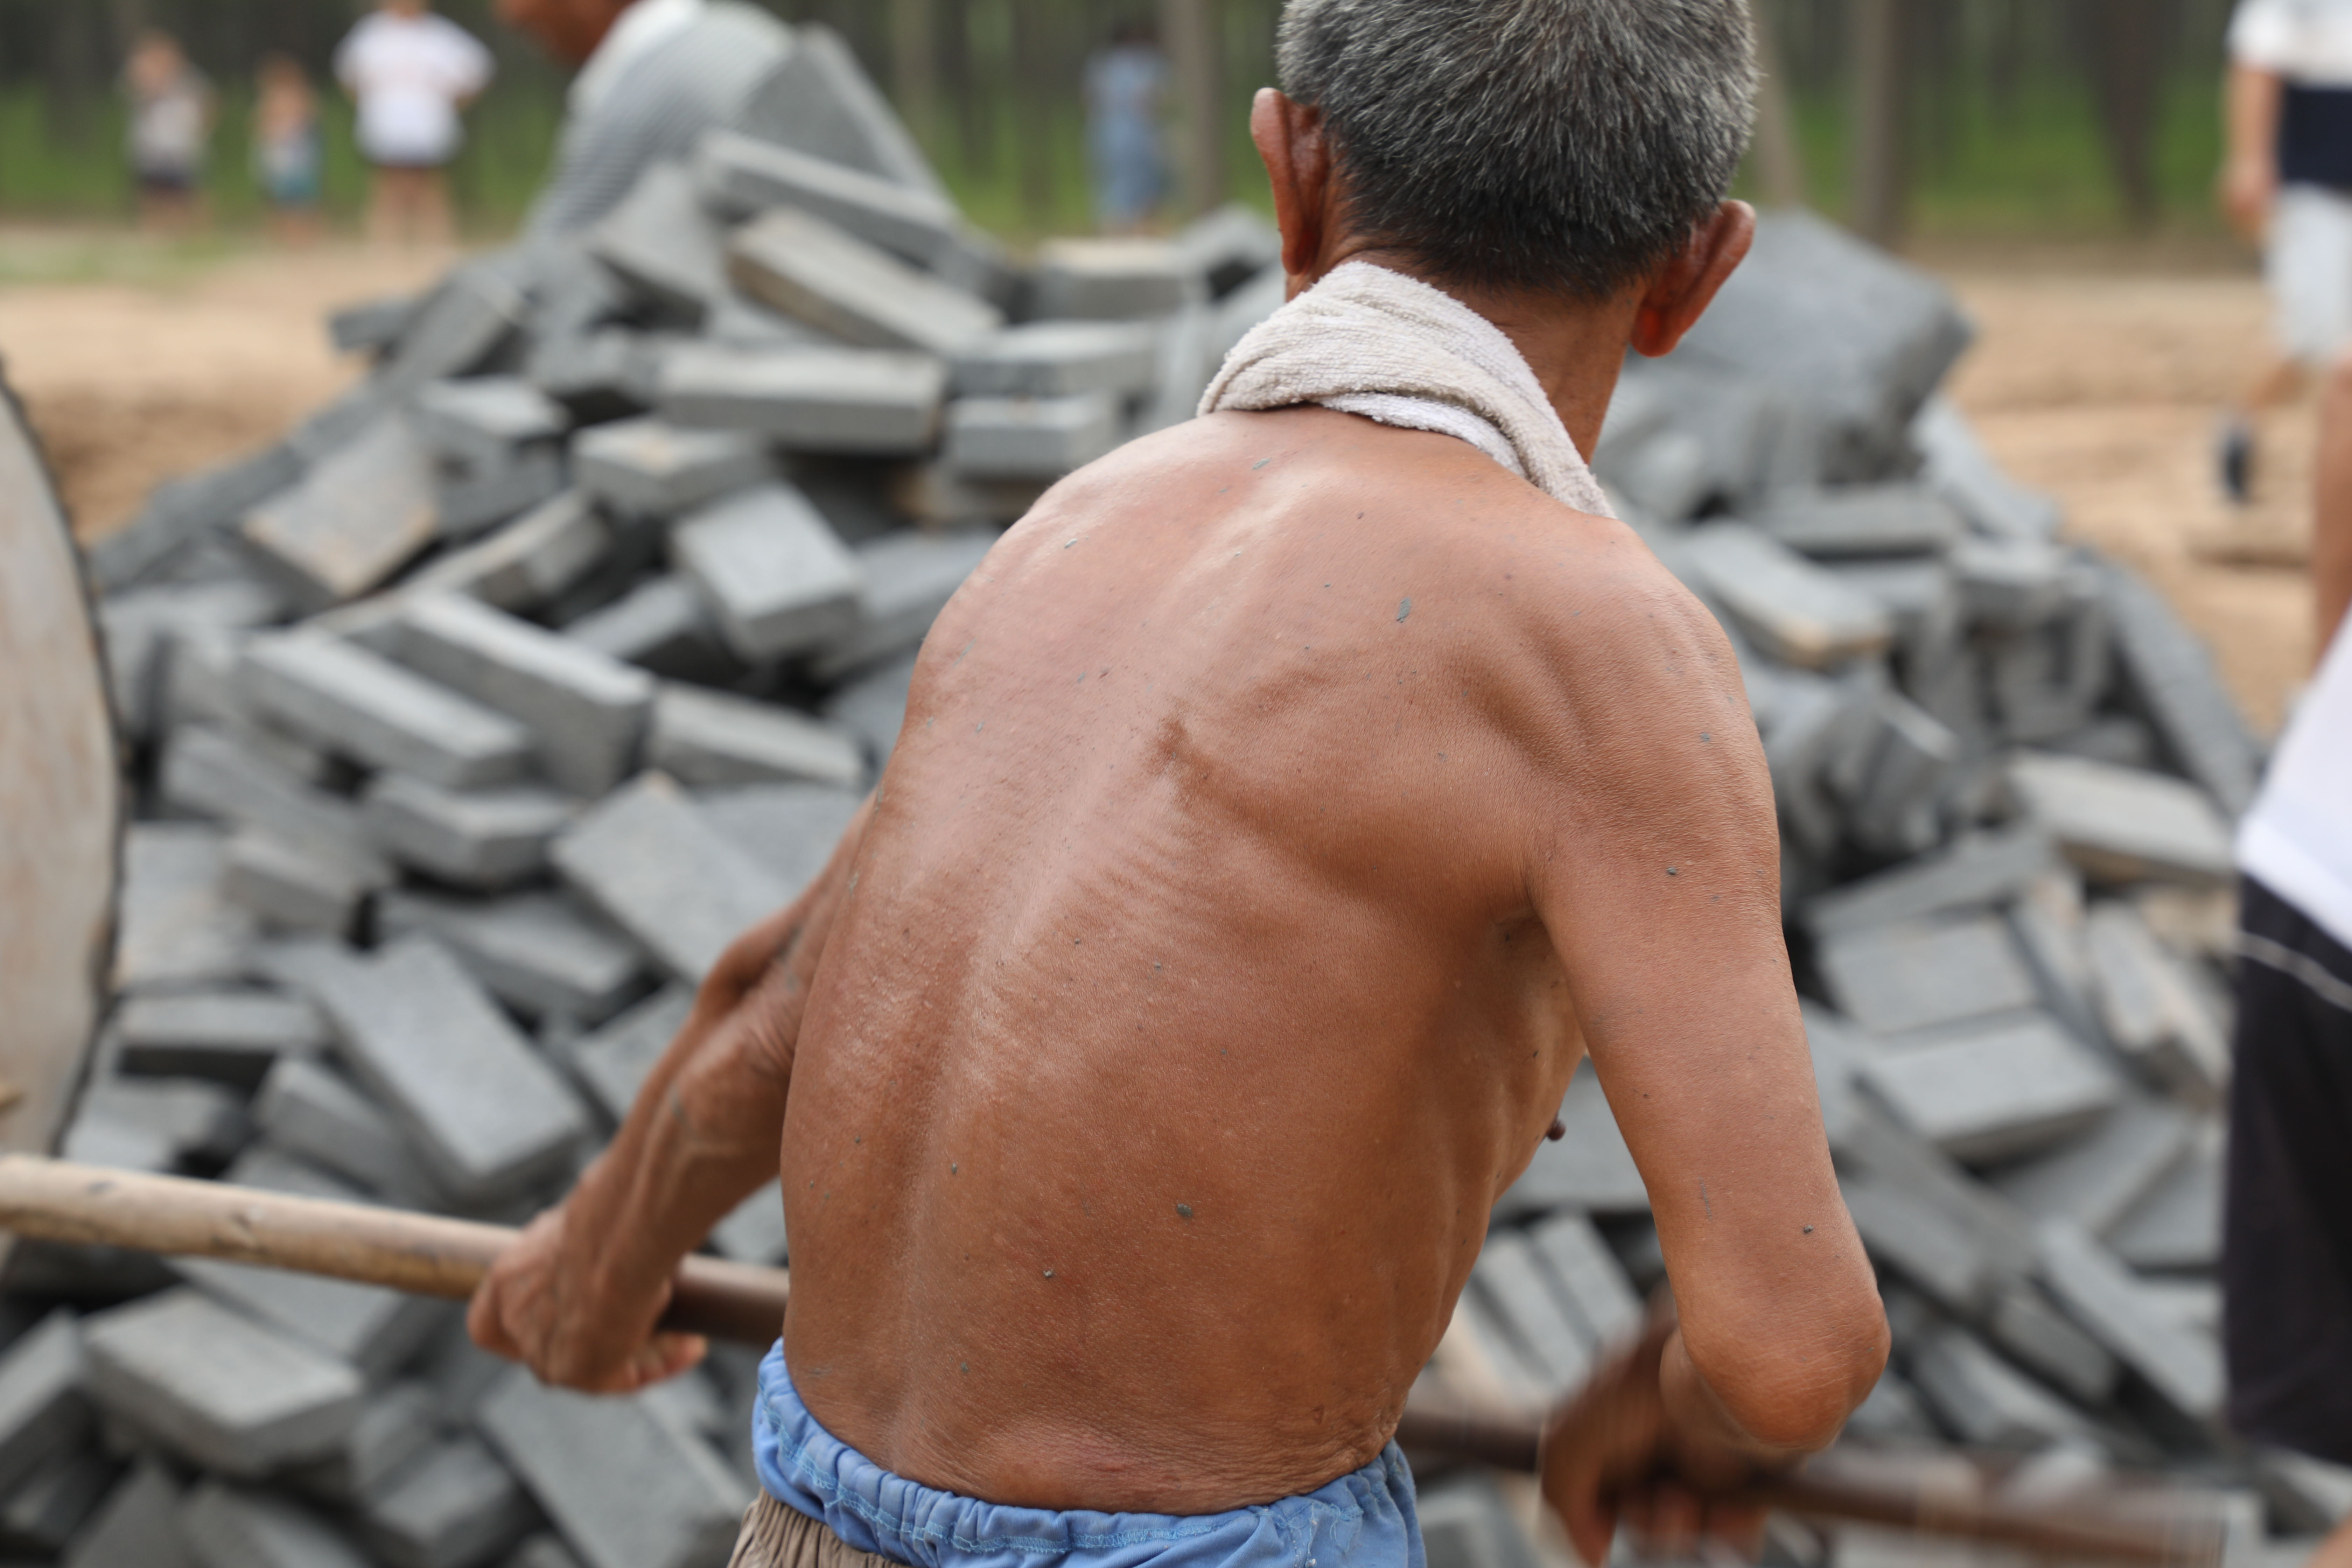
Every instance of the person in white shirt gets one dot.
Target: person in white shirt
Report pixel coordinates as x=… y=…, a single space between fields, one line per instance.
x=2287 y=183
x=411 y=72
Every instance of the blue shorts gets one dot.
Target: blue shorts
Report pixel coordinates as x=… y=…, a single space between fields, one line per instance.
x=1361 y=1520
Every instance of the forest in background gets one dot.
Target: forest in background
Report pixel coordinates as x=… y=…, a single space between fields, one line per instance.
x=1993 y=118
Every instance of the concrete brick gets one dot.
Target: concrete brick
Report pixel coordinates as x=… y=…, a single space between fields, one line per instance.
x=137 y=1526
x=1985 y=1400
x=821 y=102
x=663 y=244
x=371 y=326
x=754 y=1231
x=239 y=1527
x=310 y=1110
x=800 y=264
x=615 y=1060
x=1589 y=1278
x=2179 y=1225
x=741 y=323
x=1894 y=1416
x=456 y=1508
x=352 y=522
x=2047 y=919
x=396 y=1424
x=1862 y=520
x=863 y=402
x=586 y=709
x=465 y=319
x=468 y=501
x=2100 y=1177
x=935 y=496
x=1905 y=1232
x=793 y=829
x=1112 y=280
x=483 y=839
x=2010 y=583
x=2100 y=1293
x=1030 y=437
x=210 y=771
x=373 y=711
x=625 y=1488
x=217 y=1388
x=1795 y=611
x=874 y=706
x=156 y=1124
x=1977 y=871
x=1920 y=973
x=1897 y=810
x=1465 y=1522
x=52 y=1504
x=302 y=884
x=1061 y=359
x=181 y=512
x=482 y=422
x=2151 y=1008
x=910 y=578
x=537 y=953
x=1955 y=464
x=1839 y=1048
x=140 y=628
x=2024 y=1323
x=653 y=867
x=1518 y=1287
x=740 y=176
x=778 y=578
x=709 y=739
x=43 y=1407
x=1589 y=1170
x=663 y=624
x=589 y=373
x=542 y=1550
x=491 y=1118
x=1229 y=247
x=1996 y=1090
x=175 y=926
x=528 y=563
x=2171 y=672
x=649 y=467
x=2123 y=824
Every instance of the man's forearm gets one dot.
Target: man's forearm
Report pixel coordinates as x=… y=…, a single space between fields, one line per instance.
x=2252 y=115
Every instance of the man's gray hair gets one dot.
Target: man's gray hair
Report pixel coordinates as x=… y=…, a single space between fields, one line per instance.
x=1565 y=145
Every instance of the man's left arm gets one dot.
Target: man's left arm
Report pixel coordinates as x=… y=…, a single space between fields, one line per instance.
x=578 y=1296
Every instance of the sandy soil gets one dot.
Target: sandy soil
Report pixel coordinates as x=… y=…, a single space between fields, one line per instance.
x=2096 y=377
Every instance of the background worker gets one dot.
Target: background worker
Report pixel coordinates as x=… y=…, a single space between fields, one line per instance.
x=2288 y=185
x=411 y=71
x=1283 y=811
x=1126 y=85
x=288 y=153
x=171 y=125
x=653 y=76
x=2287 y=1269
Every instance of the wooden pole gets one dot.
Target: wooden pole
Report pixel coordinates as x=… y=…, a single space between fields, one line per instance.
x=1780 y=157
x=1880 y=165
x=914 y=65
x=1195 y=38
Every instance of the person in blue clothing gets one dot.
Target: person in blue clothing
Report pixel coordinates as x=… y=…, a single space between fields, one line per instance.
x=1126 y=84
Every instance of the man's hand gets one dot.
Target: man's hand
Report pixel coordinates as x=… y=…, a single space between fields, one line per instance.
x=2249 y=187
x=547 y=1305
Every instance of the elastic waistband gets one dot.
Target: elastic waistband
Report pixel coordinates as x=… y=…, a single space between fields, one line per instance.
x=1365 y=1519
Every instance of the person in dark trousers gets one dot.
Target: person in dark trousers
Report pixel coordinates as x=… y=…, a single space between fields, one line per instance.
x=2287 y=1249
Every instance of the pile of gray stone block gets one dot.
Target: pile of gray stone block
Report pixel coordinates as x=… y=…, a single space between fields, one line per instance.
x=472 y=721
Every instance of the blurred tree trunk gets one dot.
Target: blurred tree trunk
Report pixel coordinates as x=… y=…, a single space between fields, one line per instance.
x=1034 y=94
x=914 y=65
x=1780 y=157
x=1877 y=56
x=1195 y=38
x=2123 y=42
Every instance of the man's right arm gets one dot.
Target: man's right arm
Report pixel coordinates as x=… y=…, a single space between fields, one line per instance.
x=2250 y=172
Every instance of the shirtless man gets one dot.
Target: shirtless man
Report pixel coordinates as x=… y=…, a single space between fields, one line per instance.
x=1283 y=811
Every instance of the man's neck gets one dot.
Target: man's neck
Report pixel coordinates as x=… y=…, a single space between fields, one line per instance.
x=1575 y=350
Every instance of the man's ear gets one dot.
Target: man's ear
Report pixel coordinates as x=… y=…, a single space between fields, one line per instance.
x=1681 y=293
x=1290 y=139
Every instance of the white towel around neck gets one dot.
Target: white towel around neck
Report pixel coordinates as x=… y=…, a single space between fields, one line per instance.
x=1371 y=341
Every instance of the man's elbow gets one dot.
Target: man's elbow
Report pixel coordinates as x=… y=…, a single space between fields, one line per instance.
x=1796 y=1396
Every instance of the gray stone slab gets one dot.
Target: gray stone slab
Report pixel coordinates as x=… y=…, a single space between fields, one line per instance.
x=663 y=243
x=2179 y=1225
x=2123 y=824
x=137 y=1525
x=742 y=175
x=2047 y=921
x=543 y=1550
x=861 y=402
x=371 y=1329
x=217 y=1388
x=482 y=421
x=1465 y=1522
x=649 y=467
x=754 y=1232
x=586 y=709
x=302 y=884
x=2099 y=1178
x=778 y=578
x=142 y=630
x=650 y=863
x=465 y=319
x=355 y=520
x=156 y=1124
x=1905 y=1232
x=1996 y=1089
x=180 y=512
x=2150 y=1005
x=2095 y=1288
x=483 y=839
x=455 y=1508
x=1589 y=1278
x=821 y=101
x=2170 y=672
x=1030 y=437
x=2011 y=583
x=1897 y=810
x=215 y=773
x=396 y=1424
x=43 y=1406
x=538 y=952
x=468 y=501
x=626 y=1487
x=875 y=706
x=1112 y=280
x=910 y=578
x=1795 y=611
x=1955 y=463
x=1589 y=1170
x=613 y=1062
x=491 y=1118
x=932 y=495
x=793 y=829
x=1977 y=871
x=1985 y=1400
x=529 y=562
x=1862 y=520
x=1060 y=359
x=308 y=1109
x=1919 y=973
x=369 y=709
x=707 y=739
x=2026 y=1325
x=174 y=925
x=242 y=1527
x=741 y=323
x=1229 y=247
x=658 y=624
x=801 y=264
x=588 y=371
x=371 y=326
x=1519 y=1289
x=50 y=1506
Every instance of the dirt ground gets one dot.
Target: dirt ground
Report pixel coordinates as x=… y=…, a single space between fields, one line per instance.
x=2096 y=377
